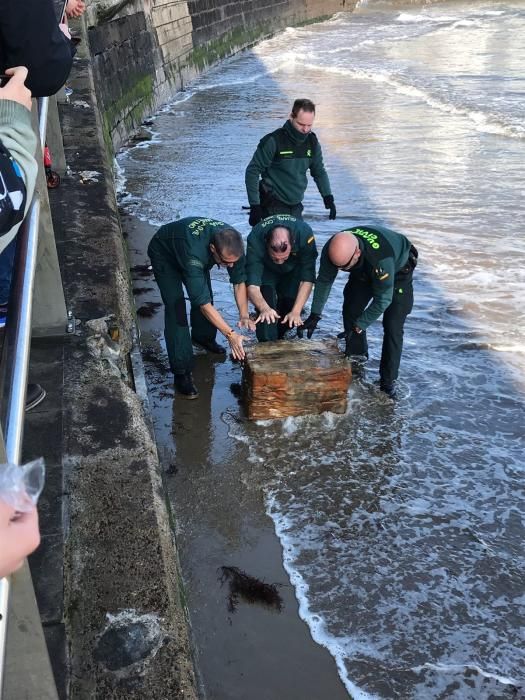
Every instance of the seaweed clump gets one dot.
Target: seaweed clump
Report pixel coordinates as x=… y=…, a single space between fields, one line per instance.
x=250 y=589
x=149 y=309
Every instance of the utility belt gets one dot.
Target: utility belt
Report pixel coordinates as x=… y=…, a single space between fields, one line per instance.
x=411 y=263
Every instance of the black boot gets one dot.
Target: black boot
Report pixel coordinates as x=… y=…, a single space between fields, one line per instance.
x=184 y=385
x=389 y=388
x=211 y=346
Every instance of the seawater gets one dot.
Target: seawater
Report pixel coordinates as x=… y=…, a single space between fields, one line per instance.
x=401 y=524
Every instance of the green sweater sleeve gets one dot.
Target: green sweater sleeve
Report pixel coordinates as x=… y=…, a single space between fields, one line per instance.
x=382 y=290
x=196 y=283
x=262 y=158
x=319 y=173
x=20 y=140
x=323 y=283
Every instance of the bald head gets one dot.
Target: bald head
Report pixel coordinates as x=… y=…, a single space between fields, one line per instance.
x=343 y=250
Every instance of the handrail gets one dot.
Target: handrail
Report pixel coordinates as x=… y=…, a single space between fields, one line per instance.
x=18 y=340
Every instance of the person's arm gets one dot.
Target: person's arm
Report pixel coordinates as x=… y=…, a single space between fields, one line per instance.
x=293 y=317
x=30 y=36
x=19 y=140
x=307 y=257
x=383 y=292
x=19 y=536
x=260 y=161
x=319 y=173
x=323 y=283
x=235 y=340
x=241 y=299
x=237 y=275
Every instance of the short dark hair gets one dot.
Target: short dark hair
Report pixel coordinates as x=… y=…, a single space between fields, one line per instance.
x=228 y=240
x=304 y=104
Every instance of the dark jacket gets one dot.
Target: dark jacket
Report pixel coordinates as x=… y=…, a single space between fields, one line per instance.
x=30 y=36
x=302 y=257
x=185 y=244
x=282 y=160
x=383 y=254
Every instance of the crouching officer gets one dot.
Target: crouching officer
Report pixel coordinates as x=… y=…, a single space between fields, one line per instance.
x=183 y=253
x=380 y=263
x=280 y=272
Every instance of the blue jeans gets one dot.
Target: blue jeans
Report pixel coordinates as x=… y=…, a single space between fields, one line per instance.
x=7 y=258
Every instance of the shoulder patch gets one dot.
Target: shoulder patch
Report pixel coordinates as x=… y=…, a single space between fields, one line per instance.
x=381 y=274
x=196 y=263
x=312 y=238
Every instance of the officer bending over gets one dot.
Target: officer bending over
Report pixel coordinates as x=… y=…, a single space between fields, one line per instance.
x=280 y=272
x=182 y=254
x=281 y=160
x=380 y=263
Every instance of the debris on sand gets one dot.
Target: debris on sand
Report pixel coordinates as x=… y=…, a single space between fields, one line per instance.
x=250 y=589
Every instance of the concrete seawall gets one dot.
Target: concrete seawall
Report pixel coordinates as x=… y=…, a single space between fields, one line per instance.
x=143 y=51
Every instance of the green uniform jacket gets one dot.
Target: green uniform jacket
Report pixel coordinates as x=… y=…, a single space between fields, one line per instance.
x=186 y=243
x=384 y=253
x=303 y=255
x=19 y=138
x=282 y=159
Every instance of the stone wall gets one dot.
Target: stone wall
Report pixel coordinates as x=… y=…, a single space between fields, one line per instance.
x=143 y=51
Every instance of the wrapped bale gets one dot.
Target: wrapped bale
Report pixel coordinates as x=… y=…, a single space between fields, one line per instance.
x=295 y=378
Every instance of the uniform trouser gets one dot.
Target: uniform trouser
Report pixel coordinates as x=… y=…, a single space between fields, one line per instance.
x=270 y=204
x=280 y=293
x=357 y=294
x=176 y=331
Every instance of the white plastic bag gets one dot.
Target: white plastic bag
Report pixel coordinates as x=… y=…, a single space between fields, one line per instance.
x=20 y=486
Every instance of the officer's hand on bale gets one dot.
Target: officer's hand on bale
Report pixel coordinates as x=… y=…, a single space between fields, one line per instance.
x=329 y=203
x=255 y=214
x=309 y=326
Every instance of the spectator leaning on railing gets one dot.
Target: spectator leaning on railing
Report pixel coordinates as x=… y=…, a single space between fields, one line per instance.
x=30 y=36
x=18 y=170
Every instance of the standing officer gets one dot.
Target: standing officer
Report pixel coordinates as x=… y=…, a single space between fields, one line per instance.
x=183 y=253
x=281 y=160
x=380 y=263
x=280 y=272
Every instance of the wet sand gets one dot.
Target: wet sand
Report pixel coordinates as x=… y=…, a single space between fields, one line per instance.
x=256 y=651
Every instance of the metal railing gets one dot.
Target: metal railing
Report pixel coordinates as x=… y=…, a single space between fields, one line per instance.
x=17 y=346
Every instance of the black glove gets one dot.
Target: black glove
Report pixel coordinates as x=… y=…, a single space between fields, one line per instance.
x=309 y=326
x=329 y=203
x=255 y=214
